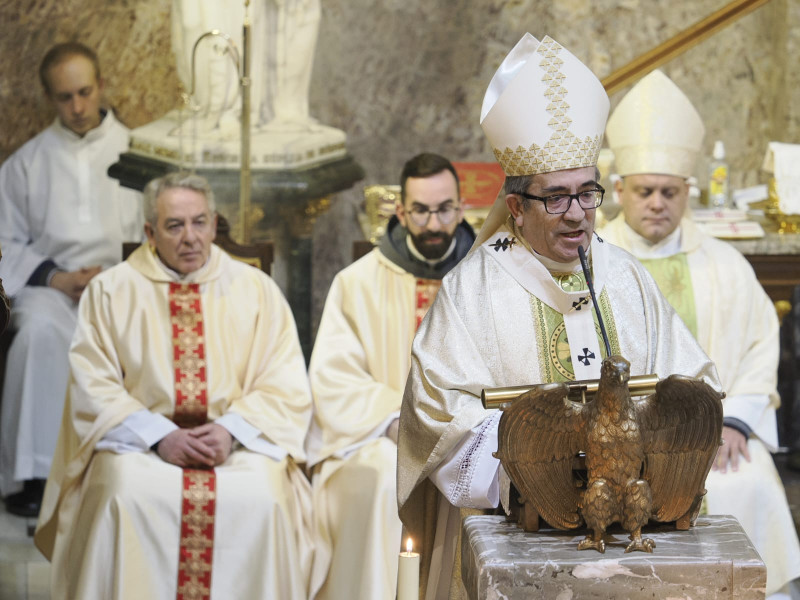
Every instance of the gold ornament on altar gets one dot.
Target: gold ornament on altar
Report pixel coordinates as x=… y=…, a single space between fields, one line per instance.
x=379 y=206
x=771 y=206
x=611 y=459
x=782 y=205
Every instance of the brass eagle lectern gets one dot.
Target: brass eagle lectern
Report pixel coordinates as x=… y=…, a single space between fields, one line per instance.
x=643 y=459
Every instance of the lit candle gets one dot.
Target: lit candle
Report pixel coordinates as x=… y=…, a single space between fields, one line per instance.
x=408 y=574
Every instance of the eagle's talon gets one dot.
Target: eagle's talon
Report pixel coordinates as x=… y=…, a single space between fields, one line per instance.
x=642 y=544
x=589 y=544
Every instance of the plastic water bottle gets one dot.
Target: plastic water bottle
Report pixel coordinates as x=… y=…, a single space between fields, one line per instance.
x=718 y=179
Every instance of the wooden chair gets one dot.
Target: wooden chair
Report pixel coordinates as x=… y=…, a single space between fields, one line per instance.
x=257 y=254
x=361 y=248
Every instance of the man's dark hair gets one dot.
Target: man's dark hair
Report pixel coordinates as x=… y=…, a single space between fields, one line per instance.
x=426 y=165
x=518 y=184
x=61 y=52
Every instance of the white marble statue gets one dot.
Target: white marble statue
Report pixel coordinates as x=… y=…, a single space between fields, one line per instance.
x=283 y=38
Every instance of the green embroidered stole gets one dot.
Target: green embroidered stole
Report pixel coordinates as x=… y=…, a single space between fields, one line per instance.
x=555 y=361
x=675 y=282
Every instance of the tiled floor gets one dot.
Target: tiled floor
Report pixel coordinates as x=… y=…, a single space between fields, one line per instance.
x=25 y=574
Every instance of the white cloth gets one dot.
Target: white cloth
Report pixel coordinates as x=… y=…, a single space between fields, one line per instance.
x=781 y=160
x=738 y=327
x=35 y=384
x=482 y=332
x=357 y=371
x=110 y=522
x=469 y=475
x=57 y=203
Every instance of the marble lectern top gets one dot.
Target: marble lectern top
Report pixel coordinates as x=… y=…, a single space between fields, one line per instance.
x=714 y=559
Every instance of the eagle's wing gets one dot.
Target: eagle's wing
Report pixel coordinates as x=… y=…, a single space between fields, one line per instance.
x=681 y=428
x=538 y=438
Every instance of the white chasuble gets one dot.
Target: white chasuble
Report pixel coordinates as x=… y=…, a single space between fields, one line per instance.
x=358 y=370
x=482 y=332
x=220 y=341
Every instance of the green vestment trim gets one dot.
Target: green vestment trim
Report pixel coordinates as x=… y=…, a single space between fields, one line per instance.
x=675 y=282
x=555 y=360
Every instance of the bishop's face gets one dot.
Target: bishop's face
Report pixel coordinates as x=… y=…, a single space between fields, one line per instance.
x=653 y=204
x=556 y=237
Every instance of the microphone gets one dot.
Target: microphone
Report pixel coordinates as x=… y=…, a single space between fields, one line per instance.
x=588 y=275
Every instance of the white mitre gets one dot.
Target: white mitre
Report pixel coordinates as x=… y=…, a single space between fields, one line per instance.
x=655 y=129
x=543 y=111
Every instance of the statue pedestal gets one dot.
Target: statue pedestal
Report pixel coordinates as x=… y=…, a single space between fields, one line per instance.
x=714 y=559
x=284 y=205
x=277 y=147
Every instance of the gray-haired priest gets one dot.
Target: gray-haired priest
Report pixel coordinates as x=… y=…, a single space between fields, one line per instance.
x=656 y=135
x=175 y=474
x=517 y=310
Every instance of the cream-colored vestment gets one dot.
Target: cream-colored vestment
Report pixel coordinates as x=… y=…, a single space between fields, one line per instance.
x=737 y=326
x=110 y=522
x=358 y=371
x=484 y=330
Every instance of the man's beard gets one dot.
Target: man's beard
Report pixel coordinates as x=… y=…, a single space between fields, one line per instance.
x=430 y=249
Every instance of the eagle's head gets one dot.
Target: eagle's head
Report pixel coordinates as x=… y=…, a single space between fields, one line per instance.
x=615 y=370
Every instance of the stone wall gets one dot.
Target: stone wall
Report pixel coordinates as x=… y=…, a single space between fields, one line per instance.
x=132 y=39
x=402 y=76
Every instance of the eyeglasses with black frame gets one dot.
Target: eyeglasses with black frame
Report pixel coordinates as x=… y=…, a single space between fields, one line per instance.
x=421 y=215
x=558 y=204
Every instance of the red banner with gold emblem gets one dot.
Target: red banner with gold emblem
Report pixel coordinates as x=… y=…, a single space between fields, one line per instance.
x=480 y=182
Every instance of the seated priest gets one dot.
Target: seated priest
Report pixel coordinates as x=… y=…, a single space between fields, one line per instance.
x=358 y=371
x=517 y=310
x=656 y=135
x=188 y=402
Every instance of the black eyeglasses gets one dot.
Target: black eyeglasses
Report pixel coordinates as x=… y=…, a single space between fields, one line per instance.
x=421 y=215
x=558 y=204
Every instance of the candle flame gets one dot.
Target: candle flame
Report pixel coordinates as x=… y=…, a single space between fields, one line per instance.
x=408 y=545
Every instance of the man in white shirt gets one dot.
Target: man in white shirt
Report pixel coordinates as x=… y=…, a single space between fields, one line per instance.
x=62 y=220
x=656 y=135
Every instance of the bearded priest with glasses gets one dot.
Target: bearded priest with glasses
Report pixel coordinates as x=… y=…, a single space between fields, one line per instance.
x=358 y=371
x=516 y=310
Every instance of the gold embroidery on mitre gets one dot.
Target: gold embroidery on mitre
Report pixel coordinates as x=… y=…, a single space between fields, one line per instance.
x=564 y=150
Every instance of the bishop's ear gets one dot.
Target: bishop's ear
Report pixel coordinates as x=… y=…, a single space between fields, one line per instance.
x=514 y=204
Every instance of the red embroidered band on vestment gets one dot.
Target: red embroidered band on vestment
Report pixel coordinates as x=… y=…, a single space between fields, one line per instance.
x=426 y=293
x=197 y=534
x=189 y=360
x=191 y=409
